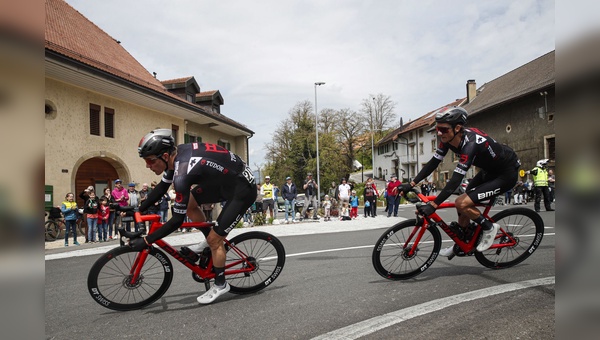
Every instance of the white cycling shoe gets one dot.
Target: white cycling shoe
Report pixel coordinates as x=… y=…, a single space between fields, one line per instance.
x=447 y=251
x=212 y=294
x=487 y=238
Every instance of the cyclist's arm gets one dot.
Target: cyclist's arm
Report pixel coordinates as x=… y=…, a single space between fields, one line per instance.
x=466 y=158
x=452 y=184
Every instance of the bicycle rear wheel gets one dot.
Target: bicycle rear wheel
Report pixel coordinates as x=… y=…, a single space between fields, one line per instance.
x=52 y=230
x=391 y=255
x=525 y=226
x=109 y=280
x=261 y=249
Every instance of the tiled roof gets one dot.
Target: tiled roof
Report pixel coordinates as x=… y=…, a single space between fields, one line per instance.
x=521 y=81
x=72 y=35
x=425 y=120
x=176 y=81
x=206 y=93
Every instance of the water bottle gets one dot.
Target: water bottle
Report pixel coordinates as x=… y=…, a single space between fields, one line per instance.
x=204 y=257
x=189 y=254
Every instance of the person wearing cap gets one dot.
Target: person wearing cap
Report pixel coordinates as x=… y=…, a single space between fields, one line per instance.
x=289 y=194
x=393 y=196
x=310 y=196
x=200 y=173
x=134 y=201
x=120 y=197
x=267 y=192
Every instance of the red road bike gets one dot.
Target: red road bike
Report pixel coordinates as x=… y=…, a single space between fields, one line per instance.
x=124 y=279
x=410 y=247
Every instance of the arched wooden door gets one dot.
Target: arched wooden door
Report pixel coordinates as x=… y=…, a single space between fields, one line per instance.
x=96 y=172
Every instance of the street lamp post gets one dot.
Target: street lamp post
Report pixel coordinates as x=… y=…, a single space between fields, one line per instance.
x=319 y=83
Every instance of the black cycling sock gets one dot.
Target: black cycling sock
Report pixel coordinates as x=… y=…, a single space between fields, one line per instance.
x=484 y=222
x=219 y=276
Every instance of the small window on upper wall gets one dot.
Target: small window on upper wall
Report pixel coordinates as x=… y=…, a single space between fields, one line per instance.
x=224 y=144
x=109 y=122
x=94 y=119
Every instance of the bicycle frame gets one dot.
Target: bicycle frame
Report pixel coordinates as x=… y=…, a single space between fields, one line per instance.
x=466 y=247
x=203 y=273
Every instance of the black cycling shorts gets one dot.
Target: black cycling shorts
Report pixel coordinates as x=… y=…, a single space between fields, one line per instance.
x=486 y=185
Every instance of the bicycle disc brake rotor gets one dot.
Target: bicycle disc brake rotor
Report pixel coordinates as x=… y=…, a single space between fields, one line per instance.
x=406 y=252
x=127 y=282
x=250 y=261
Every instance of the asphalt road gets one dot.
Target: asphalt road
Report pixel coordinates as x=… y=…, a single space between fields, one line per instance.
x=328 y=285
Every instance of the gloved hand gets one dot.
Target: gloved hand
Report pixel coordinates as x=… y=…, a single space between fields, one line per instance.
x=426 y=209
x=406 y=187
x=138 y=244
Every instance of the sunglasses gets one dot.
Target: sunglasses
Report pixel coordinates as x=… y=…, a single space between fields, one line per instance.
x=150 y=161
x=442 y=129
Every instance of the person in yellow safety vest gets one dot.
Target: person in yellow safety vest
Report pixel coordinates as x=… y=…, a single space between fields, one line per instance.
x=267 y=190
x=540 y=182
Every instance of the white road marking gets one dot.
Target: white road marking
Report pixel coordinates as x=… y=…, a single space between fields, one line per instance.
x=377 y=323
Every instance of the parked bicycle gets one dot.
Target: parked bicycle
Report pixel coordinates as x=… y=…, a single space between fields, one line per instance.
x=55 y=225
x=410 y=247
x=124 y=279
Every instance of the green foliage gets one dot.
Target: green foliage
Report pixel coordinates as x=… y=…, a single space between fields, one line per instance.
x=259 y=219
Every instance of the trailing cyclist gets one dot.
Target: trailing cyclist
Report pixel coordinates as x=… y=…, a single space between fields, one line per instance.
x=499 y=166
x=201 y=173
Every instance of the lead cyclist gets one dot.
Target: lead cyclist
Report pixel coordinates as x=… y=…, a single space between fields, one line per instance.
x=499 y=166
x=200 y=173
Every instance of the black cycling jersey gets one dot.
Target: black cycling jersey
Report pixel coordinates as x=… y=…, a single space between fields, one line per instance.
x=475 y=148
x=212 y=174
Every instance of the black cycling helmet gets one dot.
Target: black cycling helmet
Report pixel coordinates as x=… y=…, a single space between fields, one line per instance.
x=156 y=143
x=451 y=115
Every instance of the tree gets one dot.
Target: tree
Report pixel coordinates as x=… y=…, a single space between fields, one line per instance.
x=378 y=110
x=349 y=128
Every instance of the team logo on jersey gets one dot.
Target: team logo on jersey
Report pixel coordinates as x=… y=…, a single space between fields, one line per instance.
x=479 y=139
x=176 y=171
x=193 y=161
x=195 y=146
x=464 y=158
x=215 y=166
x=178 y=197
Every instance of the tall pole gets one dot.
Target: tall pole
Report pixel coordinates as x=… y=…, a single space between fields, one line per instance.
x=317 y=133
x=372 y=143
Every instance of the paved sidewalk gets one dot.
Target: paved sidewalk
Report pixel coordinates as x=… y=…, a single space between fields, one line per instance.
x=56 y=249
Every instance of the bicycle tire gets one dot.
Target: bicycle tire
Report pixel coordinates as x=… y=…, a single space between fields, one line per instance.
x=393 y=262
x=525 y=225
x=267 y=254
x=51 y=230
x=108 y=279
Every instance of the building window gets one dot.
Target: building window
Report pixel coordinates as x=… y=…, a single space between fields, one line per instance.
x=410 y=135
x=189 y=97
x=433 y=145
x=187 y=138
x=420 y=132
x=421 y=148
x=550 y=148
x=174 y=132
x=224 y=144
x=94 y=119
x=109 y=122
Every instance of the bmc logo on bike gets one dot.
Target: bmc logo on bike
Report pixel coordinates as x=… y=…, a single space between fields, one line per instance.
x=488 y=194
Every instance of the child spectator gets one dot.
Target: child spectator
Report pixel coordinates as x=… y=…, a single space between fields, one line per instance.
x=103 y=215
x=367 y=208
x=327 y=207
x=353 y=205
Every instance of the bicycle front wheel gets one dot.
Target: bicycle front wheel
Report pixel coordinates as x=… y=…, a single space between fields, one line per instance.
x=522 y=225
x=51 y=230
x=110 y=284
x=391 y=255
x=264 y=251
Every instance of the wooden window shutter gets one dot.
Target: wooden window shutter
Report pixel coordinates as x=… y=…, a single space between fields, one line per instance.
x=95 y=119
x=109 y=122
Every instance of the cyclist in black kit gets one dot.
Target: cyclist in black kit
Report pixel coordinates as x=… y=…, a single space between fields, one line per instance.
x=499 y=166
x=200 y=173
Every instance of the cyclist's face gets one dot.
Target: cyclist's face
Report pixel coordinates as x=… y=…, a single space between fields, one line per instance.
x=444 y=131
x=155 y=164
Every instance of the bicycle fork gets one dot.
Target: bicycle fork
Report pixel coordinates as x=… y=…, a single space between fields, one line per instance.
x=134 y=272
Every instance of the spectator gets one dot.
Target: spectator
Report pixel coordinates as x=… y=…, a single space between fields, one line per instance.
x=370 y=195
x=134 y=201
x=144 y=193
x=425 y=188
x=164 y=208
x=327 y=208
x=120 y=197
x=276 y=194
x=344 y=192
x=289 y=193
x=433 y=189
x=267 y=192
x=85 y=195
x=393 y=197
x=91 y=210
x=507 y=197
x=103 y=215
x=207 y=208
x=367 y=209
x=540 y=181
x=333 y=194
x=310 y=196
x=111 y=210
x=353 y=205
x=519 y=191
x=69 y=211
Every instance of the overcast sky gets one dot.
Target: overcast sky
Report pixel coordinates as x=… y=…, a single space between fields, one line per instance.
x=265 y=56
